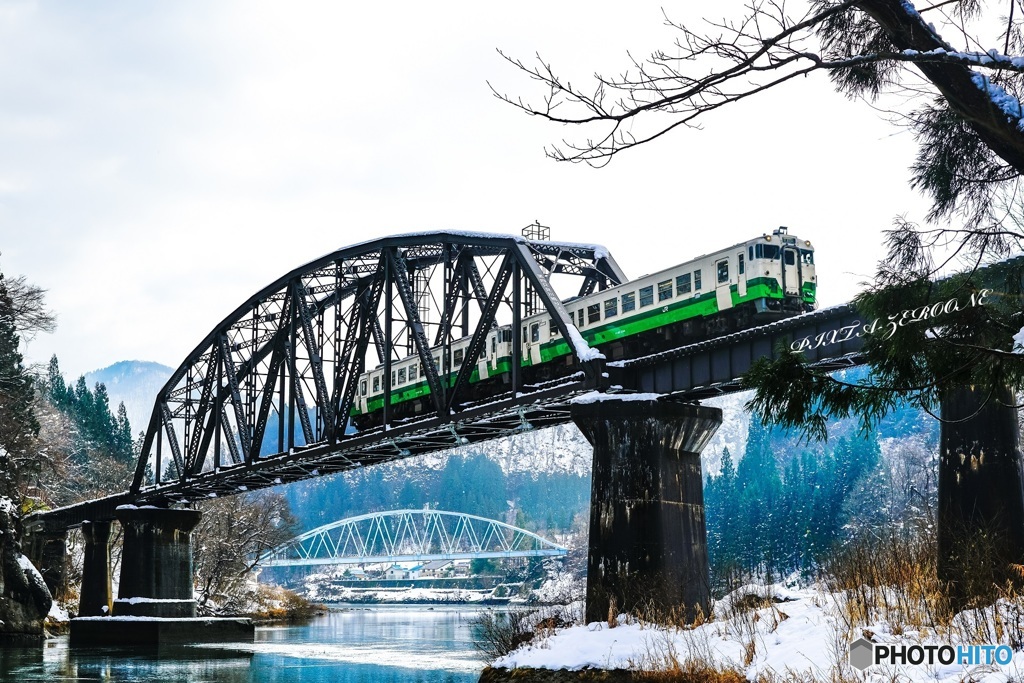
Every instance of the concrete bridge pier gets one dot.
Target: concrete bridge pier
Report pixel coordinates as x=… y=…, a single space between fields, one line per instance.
x=48 y=551
x=981 y=491
x=648 y=539
x=95 y=600
x=156 y=562
x=155 y=592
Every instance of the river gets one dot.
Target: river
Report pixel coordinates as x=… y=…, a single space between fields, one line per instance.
x=381 y=644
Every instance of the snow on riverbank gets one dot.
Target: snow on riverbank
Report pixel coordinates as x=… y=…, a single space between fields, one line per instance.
x=801 y=632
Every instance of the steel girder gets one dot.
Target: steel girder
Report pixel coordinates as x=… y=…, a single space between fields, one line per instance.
x=409 y=535
x=265 y=397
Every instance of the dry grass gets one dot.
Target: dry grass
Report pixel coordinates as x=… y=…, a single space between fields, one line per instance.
x=895 y=580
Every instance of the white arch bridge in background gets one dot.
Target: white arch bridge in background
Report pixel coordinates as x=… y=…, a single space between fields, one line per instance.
x=409 y=535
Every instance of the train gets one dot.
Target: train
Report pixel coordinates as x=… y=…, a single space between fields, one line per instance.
x=750 y=283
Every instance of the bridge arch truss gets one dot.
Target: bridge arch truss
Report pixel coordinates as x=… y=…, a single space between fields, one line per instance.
x=265 y=398
x=409 y=535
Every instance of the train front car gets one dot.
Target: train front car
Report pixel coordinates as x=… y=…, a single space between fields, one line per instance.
x=781 y=276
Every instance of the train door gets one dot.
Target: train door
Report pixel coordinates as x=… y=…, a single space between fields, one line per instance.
x=741 y=274
x=531 y=339
x=722 y=280
x=790 y=271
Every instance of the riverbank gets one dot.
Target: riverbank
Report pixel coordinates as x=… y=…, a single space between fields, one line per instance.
x=772 y=634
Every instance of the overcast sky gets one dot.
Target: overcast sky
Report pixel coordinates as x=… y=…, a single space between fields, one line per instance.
x=163 y=161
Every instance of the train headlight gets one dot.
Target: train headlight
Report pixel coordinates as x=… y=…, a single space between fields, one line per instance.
x=768 y=238
x=807 y=243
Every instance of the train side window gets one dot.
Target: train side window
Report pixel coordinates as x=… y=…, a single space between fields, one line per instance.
x=790 y=257
x=525 y=333
x=664 y=290
x=683 y=284
x=552 y=328
x=362 y=387
x=628 y=302
x=807 y=257
x=696 y=279
x=494 y=346
x=579 y=315
x=594 y=313
x=750 y=252
x=401 y=376
x=457 y=357
x=376 y=384
x=646 y=296
x=739 y=263
x=535 y=332
x=723 y=272
x=611 y=308
x=437 y=363
x=412 y=372
x=393 y=378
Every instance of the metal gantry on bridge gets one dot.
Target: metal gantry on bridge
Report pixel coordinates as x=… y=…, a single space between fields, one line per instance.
x=410 y=535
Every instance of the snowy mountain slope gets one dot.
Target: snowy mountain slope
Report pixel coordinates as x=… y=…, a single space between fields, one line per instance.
x=136 y=383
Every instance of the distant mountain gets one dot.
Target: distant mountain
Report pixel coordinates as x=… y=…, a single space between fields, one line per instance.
x=135 y=382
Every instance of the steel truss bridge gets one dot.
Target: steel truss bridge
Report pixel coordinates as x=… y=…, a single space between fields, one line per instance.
x=409 y=535
x=264 y=398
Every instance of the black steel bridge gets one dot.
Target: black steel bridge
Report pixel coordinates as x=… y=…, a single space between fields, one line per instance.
x=263 y=400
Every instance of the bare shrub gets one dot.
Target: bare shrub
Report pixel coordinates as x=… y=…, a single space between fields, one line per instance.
x=499 y=633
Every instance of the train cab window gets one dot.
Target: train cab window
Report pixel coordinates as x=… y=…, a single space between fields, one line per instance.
x=525 y=333
x=767 y=251
x=457 y=357
x=696 y=279
x=790 y=257
x=611 y=308
x=628 y=302
x=412 y=372
x=807 y=257
x=664 y=290
x=723 y=272
x=401 y=376
x=646 y=296
x=594 y=313
x=376 y=384
x=362 y=387
x=739 y=263
x=683 y=285
x=494 y=346
x=535 y=332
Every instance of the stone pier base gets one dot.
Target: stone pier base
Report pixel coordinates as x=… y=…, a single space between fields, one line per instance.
x=158 y=632
x=648 y=540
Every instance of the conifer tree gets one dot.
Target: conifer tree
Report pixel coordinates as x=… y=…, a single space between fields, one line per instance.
x=18 y=424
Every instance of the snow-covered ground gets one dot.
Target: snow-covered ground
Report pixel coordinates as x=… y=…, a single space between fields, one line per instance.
x=800 y=633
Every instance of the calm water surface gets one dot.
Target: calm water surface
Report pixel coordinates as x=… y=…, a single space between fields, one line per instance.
x=358 y=645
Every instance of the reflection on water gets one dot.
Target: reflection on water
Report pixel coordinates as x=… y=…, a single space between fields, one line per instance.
x=379 y=645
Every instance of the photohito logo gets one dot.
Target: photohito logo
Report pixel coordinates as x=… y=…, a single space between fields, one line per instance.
x=864 y=653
